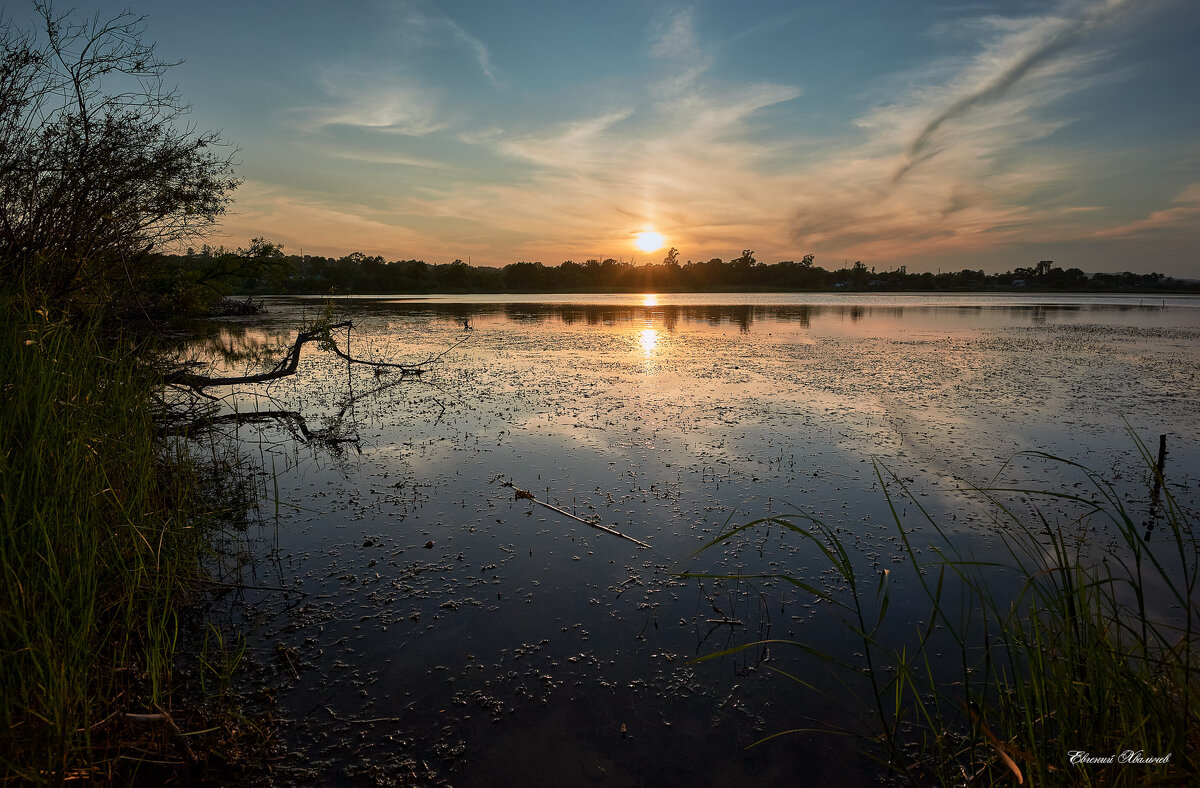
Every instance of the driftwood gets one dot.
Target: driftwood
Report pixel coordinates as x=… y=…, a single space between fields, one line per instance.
x=294 y=420
x=530 y=496
x=288 y=364
x=188 y=420
x=291 y=361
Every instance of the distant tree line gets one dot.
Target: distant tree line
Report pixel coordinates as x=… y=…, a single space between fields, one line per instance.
x=263 y=268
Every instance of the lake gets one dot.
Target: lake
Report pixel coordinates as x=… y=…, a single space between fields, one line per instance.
x=436 y=627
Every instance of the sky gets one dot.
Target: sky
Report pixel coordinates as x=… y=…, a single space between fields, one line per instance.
x=939 y=135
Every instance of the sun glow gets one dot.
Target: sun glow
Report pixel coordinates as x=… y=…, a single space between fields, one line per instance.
x=648 y=241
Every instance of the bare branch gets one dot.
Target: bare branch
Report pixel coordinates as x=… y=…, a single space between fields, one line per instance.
x=94 y=164
x=290 y=362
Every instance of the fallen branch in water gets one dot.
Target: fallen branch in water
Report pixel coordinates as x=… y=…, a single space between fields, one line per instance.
x=530 y=496
x=288 y=365
x=322 y=333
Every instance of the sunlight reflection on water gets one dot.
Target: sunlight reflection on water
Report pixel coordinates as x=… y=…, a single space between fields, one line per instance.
x=648 y=339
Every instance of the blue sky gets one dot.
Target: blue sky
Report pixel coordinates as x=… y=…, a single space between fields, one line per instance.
x=928 y=134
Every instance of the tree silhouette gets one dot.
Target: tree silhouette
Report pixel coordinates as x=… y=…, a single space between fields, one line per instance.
x=94 y=169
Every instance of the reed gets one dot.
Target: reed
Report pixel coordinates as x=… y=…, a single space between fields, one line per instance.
x=1071 y=642
x=101 y=537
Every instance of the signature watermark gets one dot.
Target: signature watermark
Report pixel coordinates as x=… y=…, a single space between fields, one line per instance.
x=1082 y=757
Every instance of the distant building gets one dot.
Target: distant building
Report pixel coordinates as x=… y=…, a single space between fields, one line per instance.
x=1018 y=283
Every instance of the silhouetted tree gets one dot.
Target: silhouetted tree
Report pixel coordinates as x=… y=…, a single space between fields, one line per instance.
x=195 y=282
x=525 y=276
x=456 y=275
x=744 y=263
x=95 y=170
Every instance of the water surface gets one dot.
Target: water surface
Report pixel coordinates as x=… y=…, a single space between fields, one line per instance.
x=452 y=630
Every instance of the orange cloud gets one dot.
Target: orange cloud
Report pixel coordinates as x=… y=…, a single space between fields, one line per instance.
x=1186 y=213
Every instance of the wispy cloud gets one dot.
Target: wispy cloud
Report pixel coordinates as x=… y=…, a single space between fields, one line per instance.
x=681 y=165
x=577 y=146
x=1012 y=60
x=398 y=160
x=678 y=39
x=1185 y=213
x=948 y=166
x=383 y=89
x=301 y=220
x=679 y=47
x=433 y=27
x=368 y=100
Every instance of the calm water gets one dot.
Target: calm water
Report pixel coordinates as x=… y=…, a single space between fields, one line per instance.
x=451 y=630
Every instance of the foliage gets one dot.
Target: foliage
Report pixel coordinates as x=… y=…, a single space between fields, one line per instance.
x=199 y=284
x=360 y=273
x=104 y=533
x=95 y=170
x=1055 y=646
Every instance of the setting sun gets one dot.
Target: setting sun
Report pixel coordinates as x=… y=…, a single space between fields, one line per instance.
x=648 y=241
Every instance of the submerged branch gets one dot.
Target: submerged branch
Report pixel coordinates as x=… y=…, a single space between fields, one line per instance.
x=286 y=366
x=531 y=497
x=405 y=369
x=291 y=361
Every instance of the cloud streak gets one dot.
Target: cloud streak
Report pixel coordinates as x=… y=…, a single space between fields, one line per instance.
x=983 y=186
x=365 y=100
x=1184 y=214
x=439 y=27
x=1051 y=37
x=387 y=93
x=679 y=48
x=299 y=219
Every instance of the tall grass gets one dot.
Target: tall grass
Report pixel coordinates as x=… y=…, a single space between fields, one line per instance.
x=1065 y=654
x=99 y=540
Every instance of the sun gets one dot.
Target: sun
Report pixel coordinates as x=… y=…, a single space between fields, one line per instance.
x=648 y=241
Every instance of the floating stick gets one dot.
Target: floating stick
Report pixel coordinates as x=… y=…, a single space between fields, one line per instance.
x=530 y=496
